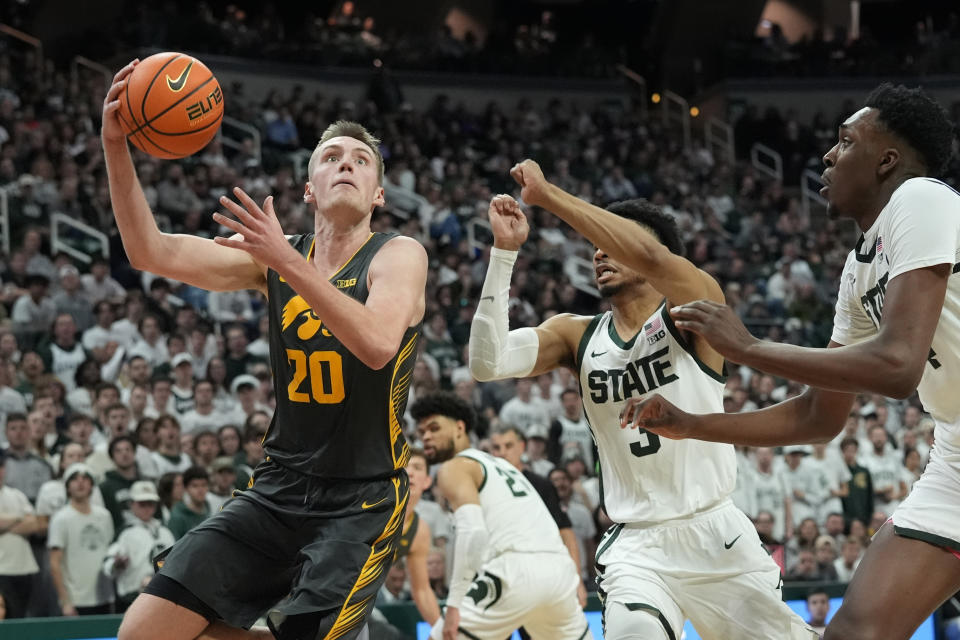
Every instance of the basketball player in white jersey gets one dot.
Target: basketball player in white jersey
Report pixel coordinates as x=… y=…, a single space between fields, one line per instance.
x=510 y=566
x=896 y=329
x=681 y=549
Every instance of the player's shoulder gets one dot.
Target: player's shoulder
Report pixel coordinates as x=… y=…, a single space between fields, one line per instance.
x=564 y=322
x=928 y=191
x=400 y=249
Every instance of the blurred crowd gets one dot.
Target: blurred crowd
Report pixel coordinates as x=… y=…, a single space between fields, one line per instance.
x=926 y=47
x=132 y=406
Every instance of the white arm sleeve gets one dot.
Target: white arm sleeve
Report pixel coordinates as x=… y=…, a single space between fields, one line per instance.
x=495 y=351
x=471 y=542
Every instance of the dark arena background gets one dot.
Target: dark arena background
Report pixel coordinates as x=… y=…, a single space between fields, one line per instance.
x=718 y=112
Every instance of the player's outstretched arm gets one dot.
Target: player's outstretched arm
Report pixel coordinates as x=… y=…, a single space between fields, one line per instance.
x=623 y=240
x=458 y=480
x=816 y=415
x=196 y=261
x=890 y=363
x=495 y=352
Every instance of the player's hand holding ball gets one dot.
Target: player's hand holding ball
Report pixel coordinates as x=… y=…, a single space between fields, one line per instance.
x=169 y=105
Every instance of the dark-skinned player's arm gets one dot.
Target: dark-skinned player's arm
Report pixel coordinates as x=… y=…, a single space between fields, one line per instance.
x=423 y=595
x=191 y=259
x=890 y=363
x=623 y=240
x=458 y=481
x=816 y=415
x=495 y=352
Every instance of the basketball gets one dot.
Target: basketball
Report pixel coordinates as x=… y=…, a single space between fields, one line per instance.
x=172 y=105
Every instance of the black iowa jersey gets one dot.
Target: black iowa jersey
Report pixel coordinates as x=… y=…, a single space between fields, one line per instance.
x=336 y=417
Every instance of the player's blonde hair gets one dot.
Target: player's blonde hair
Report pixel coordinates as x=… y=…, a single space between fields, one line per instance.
x=349 y=129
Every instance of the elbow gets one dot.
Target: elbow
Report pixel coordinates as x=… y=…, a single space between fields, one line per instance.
x=902 y=380
x=480 y=372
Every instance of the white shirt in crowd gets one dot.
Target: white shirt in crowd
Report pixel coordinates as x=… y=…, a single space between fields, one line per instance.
x=16 y=557
x=84 y=539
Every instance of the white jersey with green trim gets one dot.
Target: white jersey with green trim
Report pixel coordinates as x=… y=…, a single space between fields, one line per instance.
x=515 y=516
x=645 y=478
x=919 y=227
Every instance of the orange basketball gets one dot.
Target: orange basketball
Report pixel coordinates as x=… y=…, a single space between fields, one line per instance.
x=172 y=105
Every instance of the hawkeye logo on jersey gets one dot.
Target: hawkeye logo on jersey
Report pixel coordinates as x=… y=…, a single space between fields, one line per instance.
x=296 y=308
x=639 y=377
x=654 y=331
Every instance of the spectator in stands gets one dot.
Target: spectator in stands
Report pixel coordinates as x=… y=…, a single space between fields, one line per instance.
x=72 y=298
x=86 y=380
x=33 y=311
x=524 y=411
x=182 y=387
x=152 y=344
x=204 y=415
x=858 y=505
x=885 y=465
x=78 y=539
x=834 y=527
x=170 y=490
x=850 y=554
x=253 y=435
x=193 y=509
x=436 y=570
x=570 y=433
x=223 y=400
x=169 y=455
x=246 y=389
x=818 y=609
x=129 y=560
x=229 y=437
x=804 y=569
x=581 y=519
x=223 y=482
x=825 y=550
x=17 y=564
x=772 y=494
x=11 y=400
x=237 y=359
x=206 y=448
x=803 y=483
x=126 y=330
x=25 y=470
x=393 y=590
x=63 y=355
x=99 y=285
x=53 y=494
x=118 y=481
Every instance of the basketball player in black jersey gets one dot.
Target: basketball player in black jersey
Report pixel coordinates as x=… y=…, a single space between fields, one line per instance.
x=319 y=525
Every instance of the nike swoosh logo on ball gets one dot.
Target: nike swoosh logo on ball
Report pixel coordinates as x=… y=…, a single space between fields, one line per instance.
x=177 y=85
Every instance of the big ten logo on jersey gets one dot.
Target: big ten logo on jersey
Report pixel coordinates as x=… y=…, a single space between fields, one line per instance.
x=317 y=375
x=654 y=331
x=639 y=377
x=197 y=110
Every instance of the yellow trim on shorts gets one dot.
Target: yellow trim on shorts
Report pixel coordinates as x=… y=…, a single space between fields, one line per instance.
x=351 y=614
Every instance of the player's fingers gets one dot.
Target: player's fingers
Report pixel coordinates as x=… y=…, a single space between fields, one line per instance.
x=125 y=71
x=111 y=106
x=229 y=242
x=230 y=223
x=268 y=207
x=244 y=215
x=115 y=90
x=252 y=207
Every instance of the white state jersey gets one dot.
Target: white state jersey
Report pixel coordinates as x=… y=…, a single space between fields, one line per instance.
x=643 y=478
x=516 y=517
x=919 y=227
